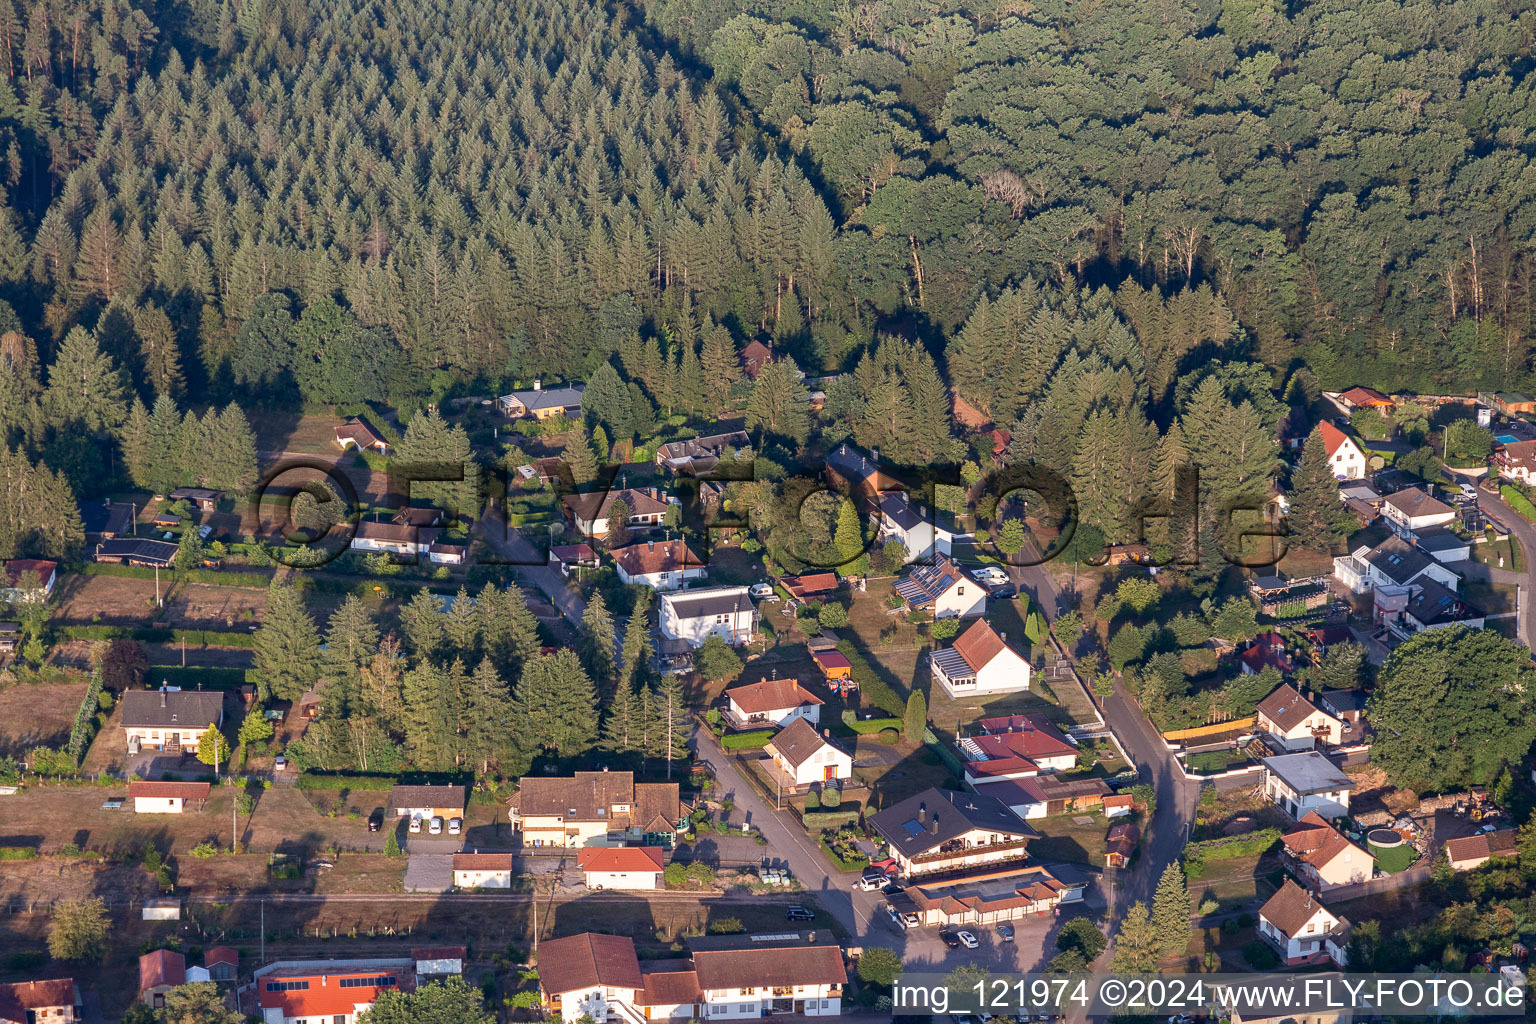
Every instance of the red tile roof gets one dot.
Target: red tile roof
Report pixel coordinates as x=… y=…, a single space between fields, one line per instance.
x=765 y=968
x=1291 y=908
x=809 y=585
x=325 y=996
x=1491 y=844
x=221 y=955
x=1316 y=842
x=649 y=557
x=1365 y=396
x=482 y=862
x=589 y=960
x=16 y=568
x=162 y=967
x=36 y=995
x=621 y=858
x=1333 y=437
x=1029 y=736
x=669 y=983
x=979 y=644
x=771 y=695
x=168 y=790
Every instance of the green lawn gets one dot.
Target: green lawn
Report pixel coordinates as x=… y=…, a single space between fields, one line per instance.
x=1062 y=839
x=1490 y=598
x=1394 y=859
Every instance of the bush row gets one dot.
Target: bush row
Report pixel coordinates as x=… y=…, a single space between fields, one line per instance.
x=161 y=635
x=346 y=780
x=871 y=687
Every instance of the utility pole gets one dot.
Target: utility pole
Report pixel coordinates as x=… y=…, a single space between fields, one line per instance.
x=263 y=946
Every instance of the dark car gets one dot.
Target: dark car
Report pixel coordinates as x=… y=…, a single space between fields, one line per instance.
x=376 y=819
x=1004 y=591
x=891 y=889
x=799 y=914
x=950 y=939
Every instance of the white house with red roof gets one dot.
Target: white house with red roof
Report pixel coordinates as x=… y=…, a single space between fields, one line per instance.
x=1294 y=723
x=622 y=867
x=664 y=565
x=772 y=702
x=28 y=579
x=1015 y=747
x=160 y=971
x=944 y=589
x=1346 y=458
x=323 y=991
x=980 y=663
x=1302 y=929
x=1320 y=856
x=51 y=1001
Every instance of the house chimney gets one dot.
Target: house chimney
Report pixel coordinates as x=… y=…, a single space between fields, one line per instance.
x=537 y=384
x=933 y=825
x=921 y=809
x=162 y=695
x=650 y=545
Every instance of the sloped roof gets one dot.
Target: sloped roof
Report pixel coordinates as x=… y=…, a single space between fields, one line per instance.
x=1364 y=396
x=35 y=995
x=651 y=556
x=933 y=817
x=189 y=709
x=563 y=397
x=1333 y=437
x=1435 y=604
x=482 y=862
x=809 y=584
x=797 y=742
x=169 y=790
x=162 y=967
x=145 y=550
x=769 y=966
x=588 y=960
x=1415 y=501
x=621 y=858
x=594 y=505
x=695 y=604
x=669 y=983
x=1490 y=844
x=1291 y=908
x=771 y=695
x=925 y=584
x=1286 y=707
x=358 y=432
x=426 y=796
x=1398 y=560
x=1316 y=842
x=979 y=644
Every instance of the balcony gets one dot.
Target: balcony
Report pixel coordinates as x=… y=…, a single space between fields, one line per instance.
x=955 y=854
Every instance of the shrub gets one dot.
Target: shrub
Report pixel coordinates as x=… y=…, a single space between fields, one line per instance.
x=1259 y=956
x=26 y=960
x=890 y=737
x=944 y=629
x=18 y=853
x=812 y=801
x=727 y=926
x=675 y=875
x=831 y=799
x=204 y=850
x=1209 y=906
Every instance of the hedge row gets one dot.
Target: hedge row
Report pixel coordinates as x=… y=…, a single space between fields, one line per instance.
x=18 y=853
x=344 y=780
x=84 y=729
x=746 y=740
x=871 y=686
x=160 y=635
x=1516 y=500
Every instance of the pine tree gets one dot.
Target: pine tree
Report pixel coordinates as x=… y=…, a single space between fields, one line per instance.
x=430 y=723
x=351 y=641
x=422 y=622
x=848 y=541
x=1171 y=910
x=134 y=438
x=485 y=717
x=557 y=705
x=779 y=403
x=670 y=724
x=721 y=369
x=578 y=455
x=597 y=641
x=287 y=646
x=1316 y=517
x=509 y=634
x=618 y=523
x=84 y=386
x=1137 y=945
x=158 y=350
x=232 y=452
x=462 y=626
x=622 y=728
x=637 y=644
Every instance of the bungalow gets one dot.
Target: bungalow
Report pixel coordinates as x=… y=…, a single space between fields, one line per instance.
x=440 y=553
x=921 y=534
x=664 y=566
x=482 y=871
x=980 y=663
x=356 y=433
x=754 y=357
x=771 y=702
x=573 y=556
x=1474 y=851
x=986 y=900
x=947 y=830
x=1516 y=461
x=1299 y=783
x=159 y=972
x=53 y=1001
x=171 y=721
x=1295 y=723
x=803 y=757
x=1413 y=509
x=105 y=520
x=328 y=991
x=543 y=403
x=222 y=963
x=28 y=580
x=1357 y=398
x=1322 y=858
x=1015 y=747
x=1346 y=459
x=1041 y=796
x=132 y=551
x=589 y=512
x=622 y=867
x=393 y=538
x=423 y=803
x=585 y=975
x=701 y=454
x=1302 y=929
x=595 y=809
x=1120 y=844
x=694 y=615
x=944 y=589
x=167 y=797
x=201 y=498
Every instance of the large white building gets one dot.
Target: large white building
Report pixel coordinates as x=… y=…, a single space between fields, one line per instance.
x=1413 y=509
x=694 y=615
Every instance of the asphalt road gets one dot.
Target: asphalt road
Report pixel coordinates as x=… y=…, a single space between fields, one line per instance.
x=1525 y=533
x=531 y=565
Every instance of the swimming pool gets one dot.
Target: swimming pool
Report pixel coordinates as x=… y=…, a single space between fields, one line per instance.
x=1506 y=439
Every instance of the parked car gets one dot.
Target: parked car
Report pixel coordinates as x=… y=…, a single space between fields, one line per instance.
x=280 y=763
x=1006 y=931
x=1005 y=591
x=376 y=819
x=868 y=884
x=761 y=590
x=798 y=913
x=455 y=826
x=967 y=940
x=950 y=940
x=415 y=826
x=891 y=889
x=435 y=826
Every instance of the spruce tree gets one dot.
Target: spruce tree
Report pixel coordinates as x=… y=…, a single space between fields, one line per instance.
x=779 y=404
x=848 y=541
x=422 y=622
x=232 y=452
x=462 y=626
x=430 y=723
x=618 y=523
x=1171 y=910
x=1316 y=516
x=287 y=646
x=721 y=369
x=158 y=350
x=622 y=730
x=509 y=633
x=578 y=455
x=597 y=641
x=134 y=439
x=670 y=723
x=637 y=644
x=557 y=705
x=485 y=717
x=85 y=385
x=351 y=641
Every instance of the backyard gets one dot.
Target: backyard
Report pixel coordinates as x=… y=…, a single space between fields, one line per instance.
x=37 y=713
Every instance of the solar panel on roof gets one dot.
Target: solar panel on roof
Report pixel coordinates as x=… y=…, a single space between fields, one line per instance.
x=912 y=827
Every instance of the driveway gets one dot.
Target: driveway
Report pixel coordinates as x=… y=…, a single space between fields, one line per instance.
x=531 y=565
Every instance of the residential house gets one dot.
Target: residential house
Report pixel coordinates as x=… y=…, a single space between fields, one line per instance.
x=980 y=663
x=419 y=516
x=356 y=433
x=750 y=976
x=701 y=454
x=1322 y=858
x=28 y=580
x=1267 y=650
x=201 y=498
x=694 y=615
x=595 y=809
x=324 y=991
x=1299 y=783
x=401 y=539
x=159 y=972
x=1015 y=747
x=423 y=803
x=983 y=900
x=771 y=702
x=1302 y=929
x=1434 y=606
x=922 y=534
x=167 y=797
x=1348 y=706
x=1413 y=509
x=849 y=469
x=586 y=975
x=804 y=757
x=1041 y=795
x=1357 y=398
x=157 y=554
x=543 y=403
x=482 y=871
x=567 y=557
x=1346 y=459
x=667 y=565
x=623 y=867
x=1516 y=461
x=222 y=963
x=106 y=520
x=1120 y=844
x=1392 y=572
x=947 y=830
x=167 y=720
x=51 y=1001
x=589 y=512
x=944 y=589
x=1294 y=723
x=1474 y=851
x=754 y=357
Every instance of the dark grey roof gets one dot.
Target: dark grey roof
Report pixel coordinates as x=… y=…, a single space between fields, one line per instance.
x=144 y=550
x=566 y=397
x=851 y=464
x=193 y=709
x=910 y=829
x=699 y=450
x=1398 y=559
x=1435 y=539
x=1342 y=701
x=693 y=604
x=105 y=516
x=1436 y=604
